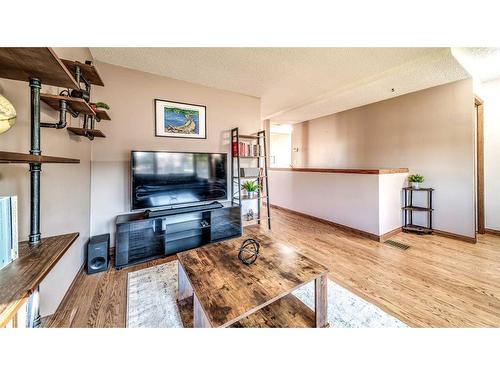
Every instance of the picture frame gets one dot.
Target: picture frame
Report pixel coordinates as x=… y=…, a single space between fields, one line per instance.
x=180 y=120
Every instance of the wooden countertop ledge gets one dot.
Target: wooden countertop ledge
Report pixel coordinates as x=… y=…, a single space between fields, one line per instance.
x=355 y=171
x=23 y=275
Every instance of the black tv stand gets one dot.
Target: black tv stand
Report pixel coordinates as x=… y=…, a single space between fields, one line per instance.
x=144 y=236
x=180 y=210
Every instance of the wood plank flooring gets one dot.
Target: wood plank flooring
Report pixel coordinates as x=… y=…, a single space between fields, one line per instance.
x=438 y=282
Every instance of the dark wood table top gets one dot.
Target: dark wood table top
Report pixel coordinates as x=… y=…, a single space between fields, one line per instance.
x=228 y=290
x=23 y=275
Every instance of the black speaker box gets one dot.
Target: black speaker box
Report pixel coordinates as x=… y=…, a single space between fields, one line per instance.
x=98 y=254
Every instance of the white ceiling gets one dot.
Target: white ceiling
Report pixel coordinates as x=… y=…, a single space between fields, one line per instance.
x=481 y=63
x=297 y=84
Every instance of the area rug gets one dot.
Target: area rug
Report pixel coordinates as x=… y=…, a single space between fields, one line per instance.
x=152 y=292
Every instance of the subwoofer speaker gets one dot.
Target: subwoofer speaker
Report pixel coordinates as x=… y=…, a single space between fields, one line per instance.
x=98 y=254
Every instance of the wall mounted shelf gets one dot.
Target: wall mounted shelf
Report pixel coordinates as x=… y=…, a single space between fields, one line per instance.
x=88 y=71
x=18 y=157
x=76 y=104
x=86 y=132
x=22 y=64
x=21 y=277
x=102 y=115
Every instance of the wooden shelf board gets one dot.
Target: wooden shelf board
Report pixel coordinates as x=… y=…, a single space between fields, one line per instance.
x=88 y=71
x=24 y=63
x=84 y=132
x=287 y=312
x=103 y=115
x=244 y=198
x=247 y=223
x=76 y=104
x=415 y=208
x=18 y=157
x=23 y=275
x=250 y=157
x=249 y=136
x=417 y=228
x=419 y=189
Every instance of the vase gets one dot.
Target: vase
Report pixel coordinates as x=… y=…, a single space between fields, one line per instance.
x=415 y=185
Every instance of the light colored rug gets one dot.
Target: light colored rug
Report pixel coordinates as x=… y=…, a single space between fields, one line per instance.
x=152 y=292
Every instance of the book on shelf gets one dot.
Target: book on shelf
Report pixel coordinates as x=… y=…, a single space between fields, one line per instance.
x=246 y=149
x=9 y=241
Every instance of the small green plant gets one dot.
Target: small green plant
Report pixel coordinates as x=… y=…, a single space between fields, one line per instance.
x=250 y=186
x=416 y=178
x=101 y=105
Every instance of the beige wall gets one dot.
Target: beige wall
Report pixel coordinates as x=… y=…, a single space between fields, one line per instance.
x=86 y=197
x=490 y=93
x=131 y=95
x=65 y=189
x=430 y=132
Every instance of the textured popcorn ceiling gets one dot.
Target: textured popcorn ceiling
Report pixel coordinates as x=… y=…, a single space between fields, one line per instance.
x=297 y=84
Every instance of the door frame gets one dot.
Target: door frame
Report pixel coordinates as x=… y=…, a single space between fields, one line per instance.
x=479 y=113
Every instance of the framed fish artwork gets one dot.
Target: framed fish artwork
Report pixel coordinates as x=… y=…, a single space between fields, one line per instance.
x=180 y=120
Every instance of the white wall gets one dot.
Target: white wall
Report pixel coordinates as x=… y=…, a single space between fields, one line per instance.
x=368 y=202
x=390 y=201
x=490 y=93
x=131 y=95
x=65 y=188
x=431 y=132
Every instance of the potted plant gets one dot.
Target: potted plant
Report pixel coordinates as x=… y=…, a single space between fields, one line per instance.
x=102 y=105
x=415 y=180
x=99 y=105
x=251 y=187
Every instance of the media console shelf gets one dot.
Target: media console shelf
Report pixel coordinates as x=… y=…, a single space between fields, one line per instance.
x=147 y=235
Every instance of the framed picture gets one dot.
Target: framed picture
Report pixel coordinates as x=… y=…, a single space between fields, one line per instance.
x=180 y=120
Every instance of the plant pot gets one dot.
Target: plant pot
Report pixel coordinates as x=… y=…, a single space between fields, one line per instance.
x=415 y=185
x=252 y=194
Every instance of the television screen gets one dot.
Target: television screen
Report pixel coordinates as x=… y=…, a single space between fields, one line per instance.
x=171 y=178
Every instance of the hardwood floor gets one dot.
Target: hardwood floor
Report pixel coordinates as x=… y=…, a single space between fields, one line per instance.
x=438 y=282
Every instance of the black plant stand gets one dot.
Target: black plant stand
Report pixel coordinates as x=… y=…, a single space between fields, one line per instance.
x=409 y=208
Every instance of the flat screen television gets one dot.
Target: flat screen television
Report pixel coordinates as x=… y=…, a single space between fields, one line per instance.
x=171 y=178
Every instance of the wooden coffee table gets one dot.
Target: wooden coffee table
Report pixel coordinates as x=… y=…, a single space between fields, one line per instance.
x=225 y=292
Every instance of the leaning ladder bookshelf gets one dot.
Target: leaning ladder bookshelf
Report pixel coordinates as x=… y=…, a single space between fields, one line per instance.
x=259 y=140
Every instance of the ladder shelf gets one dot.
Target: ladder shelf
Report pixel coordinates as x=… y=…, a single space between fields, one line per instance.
x=256 y=142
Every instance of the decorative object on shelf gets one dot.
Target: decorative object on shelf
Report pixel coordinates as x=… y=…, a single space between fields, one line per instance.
x=251 y=187
x=415 y=180
x=9 y=245
x=180 y=120
x=250 y=215
x=99 y=105
x=250 y=172
x=7 y=114
x=102 y=105
x=249 y=251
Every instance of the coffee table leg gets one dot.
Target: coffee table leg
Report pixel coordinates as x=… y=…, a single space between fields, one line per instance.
x=199 y=318
x=184 y=286
x=321 y=301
